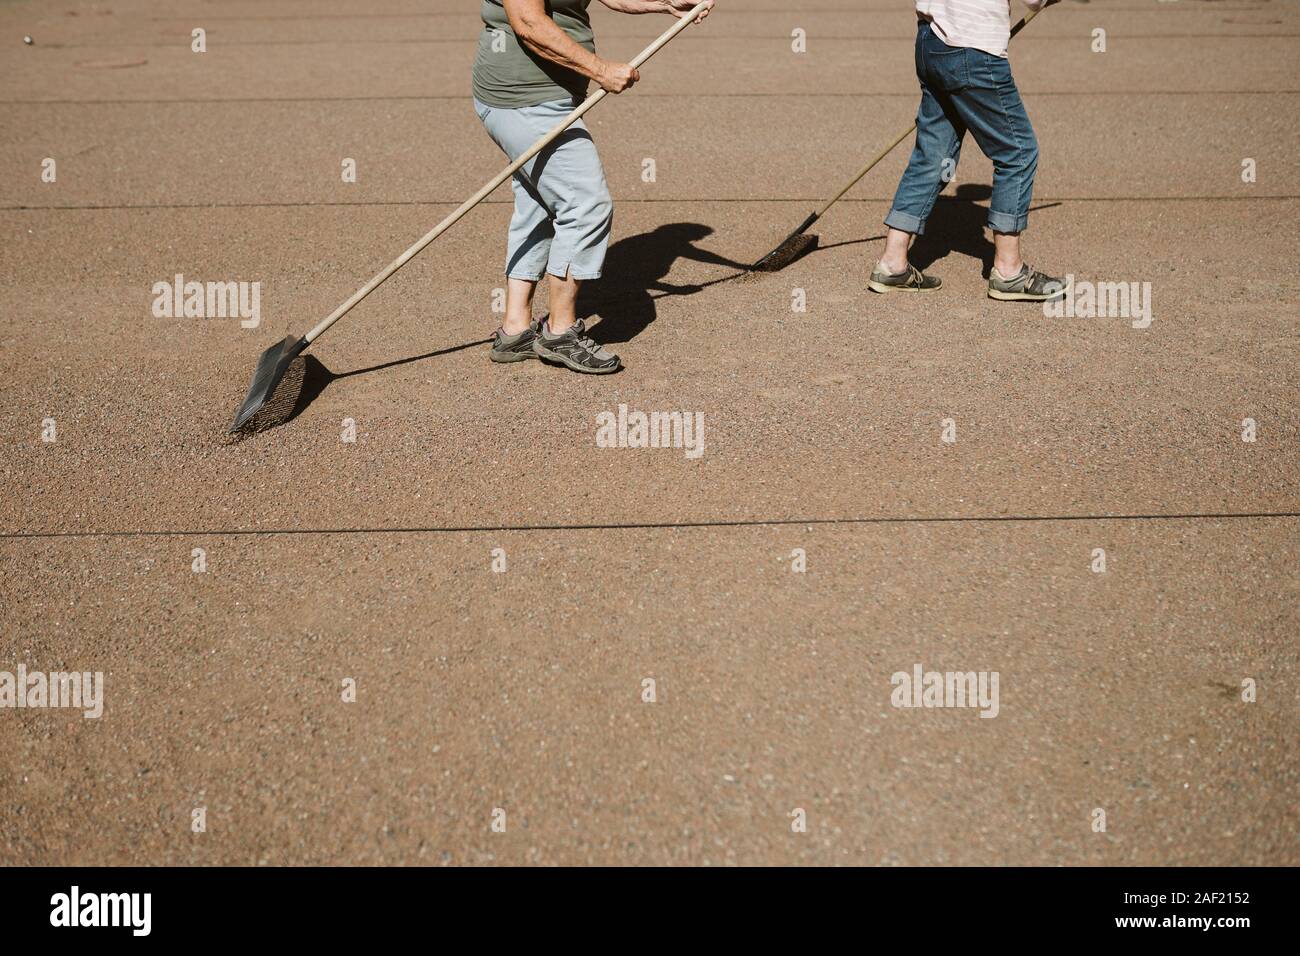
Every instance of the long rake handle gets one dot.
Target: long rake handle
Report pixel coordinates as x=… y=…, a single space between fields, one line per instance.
x=495 y=181
x=901 y=136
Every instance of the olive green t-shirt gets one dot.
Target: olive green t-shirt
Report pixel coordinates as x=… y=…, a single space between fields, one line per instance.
x=508 y=75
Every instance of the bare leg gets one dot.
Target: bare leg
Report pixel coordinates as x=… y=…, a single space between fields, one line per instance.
x=564 y=302
x=519 y=305
x=894 y=258
x=1006 y=254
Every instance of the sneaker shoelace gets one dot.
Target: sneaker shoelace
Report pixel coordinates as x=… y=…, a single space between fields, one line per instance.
x=579 y=330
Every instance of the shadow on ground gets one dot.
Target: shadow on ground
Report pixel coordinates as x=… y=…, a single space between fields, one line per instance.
x=958 y=225
x=307 y=377
x=635 y=270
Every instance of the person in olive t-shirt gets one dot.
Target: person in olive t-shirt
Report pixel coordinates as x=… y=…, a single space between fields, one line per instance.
x=535 y=58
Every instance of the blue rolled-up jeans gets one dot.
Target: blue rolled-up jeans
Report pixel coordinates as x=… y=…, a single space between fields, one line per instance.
x=966 y=89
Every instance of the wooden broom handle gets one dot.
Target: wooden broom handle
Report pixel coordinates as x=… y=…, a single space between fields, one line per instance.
x=903 y=135
x=496 y=180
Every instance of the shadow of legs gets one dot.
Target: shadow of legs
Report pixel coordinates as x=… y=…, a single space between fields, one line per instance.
x=956 y=225
x=637 y=267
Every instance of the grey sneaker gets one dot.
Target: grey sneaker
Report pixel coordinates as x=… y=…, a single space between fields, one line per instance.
x=909 y=280
x=1028 y=285
x=575 y=349
x=514 y=348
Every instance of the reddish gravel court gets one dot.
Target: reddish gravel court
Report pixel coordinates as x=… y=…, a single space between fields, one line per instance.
x=424 y=606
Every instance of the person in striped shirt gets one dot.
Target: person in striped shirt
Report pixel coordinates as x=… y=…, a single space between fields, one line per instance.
x=966 y=85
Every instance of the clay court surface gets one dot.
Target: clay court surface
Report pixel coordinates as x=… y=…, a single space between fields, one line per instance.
x=372 y=560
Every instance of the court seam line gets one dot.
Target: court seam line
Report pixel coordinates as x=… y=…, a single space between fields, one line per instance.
x=715 y=38
x=645 y=525
x=639 y=95
x=626 y=199
x=884 y=8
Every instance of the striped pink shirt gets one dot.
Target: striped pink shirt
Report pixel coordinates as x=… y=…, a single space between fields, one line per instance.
x=980 y=24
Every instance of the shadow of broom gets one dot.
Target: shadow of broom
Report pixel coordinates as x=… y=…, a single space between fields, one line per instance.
x=305 y=379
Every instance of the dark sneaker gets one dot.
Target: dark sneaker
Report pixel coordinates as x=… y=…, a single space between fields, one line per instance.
x=514 y=348
x=909 y=280
x=1027 y=286
x=574 y=349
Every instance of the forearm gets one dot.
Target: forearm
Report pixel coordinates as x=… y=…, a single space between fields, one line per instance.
x=539 y=33
x=638 y=6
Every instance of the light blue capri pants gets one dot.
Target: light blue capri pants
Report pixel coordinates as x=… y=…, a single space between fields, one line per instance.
x=563 y=211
